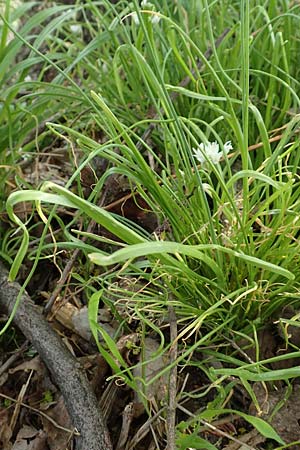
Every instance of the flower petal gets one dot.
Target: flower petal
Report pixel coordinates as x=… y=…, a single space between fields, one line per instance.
x=228 y=146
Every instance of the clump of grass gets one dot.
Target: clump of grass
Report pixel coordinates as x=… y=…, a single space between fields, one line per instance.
x=227 y=258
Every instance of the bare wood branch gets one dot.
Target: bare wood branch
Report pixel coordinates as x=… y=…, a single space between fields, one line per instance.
x=171 y=414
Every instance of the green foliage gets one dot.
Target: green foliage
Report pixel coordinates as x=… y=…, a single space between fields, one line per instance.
x=48 y=397
x=185 y=440
x=228 y=260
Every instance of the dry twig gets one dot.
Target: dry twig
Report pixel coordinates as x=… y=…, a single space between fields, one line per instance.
x=9 y=362
x=171 y=414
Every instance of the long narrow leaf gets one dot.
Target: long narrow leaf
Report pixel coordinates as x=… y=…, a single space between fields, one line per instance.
x=195 y=251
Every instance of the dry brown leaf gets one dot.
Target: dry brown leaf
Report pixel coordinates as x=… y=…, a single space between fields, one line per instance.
x=157 y=390
x=5 y=429
x=25 y=435
x=26 y=432
x=34 y=364
x=77 y=320
x=57 y=439
x=29 y=438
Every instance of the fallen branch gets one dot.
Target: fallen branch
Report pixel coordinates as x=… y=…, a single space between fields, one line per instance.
x=66 y=372
x=171 y=411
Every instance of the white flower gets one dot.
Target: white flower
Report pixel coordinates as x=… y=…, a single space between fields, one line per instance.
x=104 y=67
x=155 y=19
x=75 y=29
x=27 y=79
x=228 y=147
x=211 y=151
x=135 y=18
